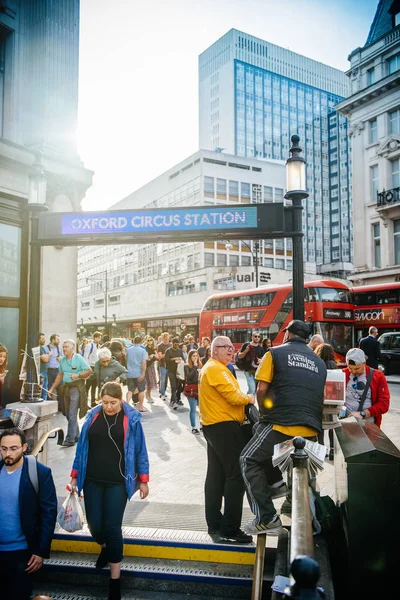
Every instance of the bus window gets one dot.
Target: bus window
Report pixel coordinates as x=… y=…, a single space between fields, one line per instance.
x=287 y=304
x=338 y=335
x=334 y=295
x=387 y=297
x=209 y=304
x=262 y=299
x=365 y=299
x=233 y=302
x=312 y=295
x=244 y=301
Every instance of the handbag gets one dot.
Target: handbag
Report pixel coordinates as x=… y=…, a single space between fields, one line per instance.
x=191 y=390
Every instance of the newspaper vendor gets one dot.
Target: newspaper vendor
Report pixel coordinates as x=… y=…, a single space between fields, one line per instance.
x=290 y=395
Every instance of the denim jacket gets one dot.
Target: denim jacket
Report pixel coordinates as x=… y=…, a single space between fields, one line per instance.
x=135 y=451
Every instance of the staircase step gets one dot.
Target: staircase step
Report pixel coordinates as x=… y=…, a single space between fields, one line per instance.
x=177 y=576
x=178 y=544
x=64 y=592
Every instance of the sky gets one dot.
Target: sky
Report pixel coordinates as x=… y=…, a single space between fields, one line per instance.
x=138 y=81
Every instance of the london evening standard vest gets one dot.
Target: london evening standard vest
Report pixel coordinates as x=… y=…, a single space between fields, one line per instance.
x=297 y=388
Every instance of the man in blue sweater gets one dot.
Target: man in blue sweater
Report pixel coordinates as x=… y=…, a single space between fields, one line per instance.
x=28 y=517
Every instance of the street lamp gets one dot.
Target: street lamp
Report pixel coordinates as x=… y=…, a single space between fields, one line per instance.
x=296 y=192
x=102 y=281
x=37 y=190
x=256 y=245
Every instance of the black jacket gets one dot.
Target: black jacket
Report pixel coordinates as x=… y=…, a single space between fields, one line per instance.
x=297 y=389
x=38 y=513
x=372 y=350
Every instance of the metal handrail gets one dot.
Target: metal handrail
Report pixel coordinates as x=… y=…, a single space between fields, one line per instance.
x=258 y=571
x=304 y=569
x=43 y=439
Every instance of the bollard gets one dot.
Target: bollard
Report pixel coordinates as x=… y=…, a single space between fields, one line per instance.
x=305 y=572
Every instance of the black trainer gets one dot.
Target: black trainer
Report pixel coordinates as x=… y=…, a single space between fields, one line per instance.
x=240 y=537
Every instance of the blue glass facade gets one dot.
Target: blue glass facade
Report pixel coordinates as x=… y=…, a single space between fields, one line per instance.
x=269 y=108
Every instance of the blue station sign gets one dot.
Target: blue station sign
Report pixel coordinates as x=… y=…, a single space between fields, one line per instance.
x=172 y=225
x=191 y=219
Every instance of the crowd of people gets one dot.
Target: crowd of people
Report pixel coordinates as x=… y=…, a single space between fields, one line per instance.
x=285 y=381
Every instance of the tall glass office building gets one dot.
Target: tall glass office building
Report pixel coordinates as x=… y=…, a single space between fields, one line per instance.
x=253 y=97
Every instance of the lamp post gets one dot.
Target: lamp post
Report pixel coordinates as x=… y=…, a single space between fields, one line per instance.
x=228 y=246
x=105 y=289
x=296 y=192
x=36 y=204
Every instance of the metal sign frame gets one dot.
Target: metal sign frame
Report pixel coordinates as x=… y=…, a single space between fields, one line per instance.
x=172 y=225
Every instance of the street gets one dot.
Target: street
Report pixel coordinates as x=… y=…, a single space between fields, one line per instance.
x=178 y=463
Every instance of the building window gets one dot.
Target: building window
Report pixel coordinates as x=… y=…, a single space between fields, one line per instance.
x=268 y=194
x=245 y=192
x=370 y=76
x=393 y=64
x=396 y=232
x=221 y=260
x=203 y=286
x=256 y=193
x=99 y=302
x=246 y=261
x=376 y=233
x=85 y=305
x=396 y=173
x=374 y=182
x=233 y=260
x=373 y=131
x=209 y=187
x=278 y=195
x=208 y=259
x=394 y=121
x=234 y=191
x=221 y=189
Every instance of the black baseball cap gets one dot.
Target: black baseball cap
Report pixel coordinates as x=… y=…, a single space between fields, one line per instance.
x=298 y=328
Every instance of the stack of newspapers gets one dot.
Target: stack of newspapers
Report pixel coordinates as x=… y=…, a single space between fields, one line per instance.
x=316 y=454
x=334 y=397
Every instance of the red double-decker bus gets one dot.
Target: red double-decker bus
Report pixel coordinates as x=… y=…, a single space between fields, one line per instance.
x=377 y=305
x=328 y=307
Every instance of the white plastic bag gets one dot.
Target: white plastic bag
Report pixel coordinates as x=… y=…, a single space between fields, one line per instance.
x=180 y=370
x=70 y=515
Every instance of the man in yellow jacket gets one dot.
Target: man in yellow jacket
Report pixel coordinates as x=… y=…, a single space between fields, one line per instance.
x=222 y=404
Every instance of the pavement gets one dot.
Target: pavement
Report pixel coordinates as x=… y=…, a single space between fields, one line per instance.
x=178 y=465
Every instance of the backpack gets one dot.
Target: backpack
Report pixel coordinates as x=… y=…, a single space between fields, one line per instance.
x=243 y=363
x=326 y=513
x=33 y=472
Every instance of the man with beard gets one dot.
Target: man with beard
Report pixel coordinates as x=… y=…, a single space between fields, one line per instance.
x=28 y=516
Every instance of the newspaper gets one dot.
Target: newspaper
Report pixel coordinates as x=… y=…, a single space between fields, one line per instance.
x=334 y=398
x=316 y=454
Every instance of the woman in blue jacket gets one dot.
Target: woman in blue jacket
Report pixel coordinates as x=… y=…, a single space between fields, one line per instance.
x=110 y=464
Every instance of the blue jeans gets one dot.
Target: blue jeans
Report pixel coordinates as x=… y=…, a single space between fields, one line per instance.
x=71 y=412
x=251 y=383
x=192 y=413
x=105 y=505
x=163 y=380
x=45 y=385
